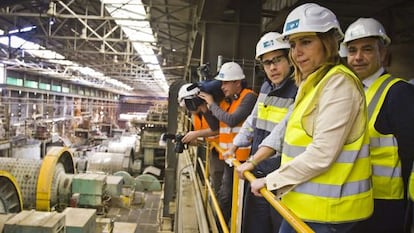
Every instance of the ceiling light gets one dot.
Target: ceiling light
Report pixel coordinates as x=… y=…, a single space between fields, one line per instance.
x=52 y=8
x=83 y=34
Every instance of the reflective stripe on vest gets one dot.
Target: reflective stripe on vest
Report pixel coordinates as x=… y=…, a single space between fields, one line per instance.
x=227 y=133
x=343 y=157
x=386 y=166
x=228 y=130
x=271 y=110
x=343 y=192
x=335 y=191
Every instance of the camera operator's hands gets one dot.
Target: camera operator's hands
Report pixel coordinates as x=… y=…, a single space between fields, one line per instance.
x=230 y=152
x=229 y=155
x=190 y=137
x=206 y=97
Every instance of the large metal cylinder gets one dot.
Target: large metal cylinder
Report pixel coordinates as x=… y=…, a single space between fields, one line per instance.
x=26 y=172
x=108 y=162
x=10 y=195
x=43 y=183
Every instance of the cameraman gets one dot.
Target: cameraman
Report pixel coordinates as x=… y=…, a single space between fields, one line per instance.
x=237 y=106
x=205 y=125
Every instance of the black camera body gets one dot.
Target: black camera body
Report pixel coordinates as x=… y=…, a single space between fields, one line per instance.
x=179 y=145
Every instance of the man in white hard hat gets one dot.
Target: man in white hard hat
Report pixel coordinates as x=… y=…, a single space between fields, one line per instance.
x=277 y=93
x=205 y=125
x=390 y=114
x=238 y=104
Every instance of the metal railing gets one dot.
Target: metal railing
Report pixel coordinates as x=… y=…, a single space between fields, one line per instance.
x=284 y=211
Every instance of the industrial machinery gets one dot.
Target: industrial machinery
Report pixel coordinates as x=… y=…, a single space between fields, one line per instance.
x=10 y=195
x=43 y=183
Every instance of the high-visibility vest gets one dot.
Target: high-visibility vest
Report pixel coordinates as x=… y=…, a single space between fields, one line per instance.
x=386 y=166
x=411 y=184
x=343 y=193
x=200 y=122
x=272 y=107
x=226 y=133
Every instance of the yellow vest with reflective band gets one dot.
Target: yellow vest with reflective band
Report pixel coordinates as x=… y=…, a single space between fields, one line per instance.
x=268 y=117
x=201 y=123
x=227 y=133
x=342 y=193
x=411 y=184
x=386 y=166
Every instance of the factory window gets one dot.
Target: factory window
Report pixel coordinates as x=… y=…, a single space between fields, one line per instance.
x=44 y=86
x=31 y=84
x=14 y=81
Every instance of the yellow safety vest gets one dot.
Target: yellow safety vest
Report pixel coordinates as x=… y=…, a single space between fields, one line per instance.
x=411 y=184
x=341 y=194
x=227 y=133
x=386 y=166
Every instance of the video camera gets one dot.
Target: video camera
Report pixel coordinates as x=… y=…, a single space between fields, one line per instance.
x=204 y=71
x=208 y=85
x=179 y=145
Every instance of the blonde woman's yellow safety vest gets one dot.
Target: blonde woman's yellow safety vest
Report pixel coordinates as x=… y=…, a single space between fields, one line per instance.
x=386 y=166
x=343 y=193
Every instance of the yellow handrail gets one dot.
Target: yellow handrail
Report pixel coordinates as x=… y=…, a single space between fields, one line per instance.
x=288 y=215
x=214 y=200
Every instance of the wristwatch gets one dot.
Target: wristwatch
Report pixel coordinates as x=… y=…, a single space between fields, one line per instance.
x=252 y=161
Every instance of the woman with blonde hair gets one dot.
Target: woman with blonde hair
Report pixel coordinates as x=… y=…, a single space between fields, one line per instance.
x=324 y=177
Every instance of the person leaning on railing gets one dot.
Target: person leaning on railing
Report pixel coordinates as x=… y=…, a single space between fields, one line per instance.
x=324 y=177
x=277 y=93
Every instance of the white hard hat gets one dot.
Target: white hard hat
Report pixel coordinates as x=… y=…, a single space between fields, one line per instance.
x=343 y=51
x=230 y=71
x=184 y=93
x=311 y=17
x=366 y=27
x=269 y=42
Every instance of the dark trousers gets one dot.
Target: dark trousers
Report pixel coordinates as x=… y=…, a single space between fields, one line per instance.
x=388 y=217
x=258 y=214
x=321 y=227
x=225 y=193
x=216 y=170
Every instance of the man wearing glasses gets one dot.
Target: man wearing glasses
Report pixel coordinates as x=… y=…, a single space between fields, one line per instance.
x=276 y=95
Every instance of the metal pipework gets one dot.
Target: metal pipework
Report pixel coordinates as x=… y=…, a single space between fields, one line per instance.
x=45 y=183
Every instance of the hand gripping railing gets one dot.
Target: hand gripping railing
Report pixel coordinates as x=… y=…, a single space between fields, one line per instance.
x=284 y=211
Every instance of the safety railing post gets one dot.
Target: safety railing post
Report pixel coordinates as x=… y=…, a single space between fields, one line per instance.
x=234 y=202
x=288 y=215
x=207 y=171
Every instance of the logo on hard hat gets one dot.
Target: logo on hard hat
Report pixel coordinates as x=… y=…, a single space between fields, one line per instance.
x=268 y=43
x=292 y=25
x=221 y=75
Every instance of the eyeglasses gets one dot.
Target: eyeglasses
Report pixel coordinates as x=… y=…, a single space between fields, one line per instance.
x=275 y=60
